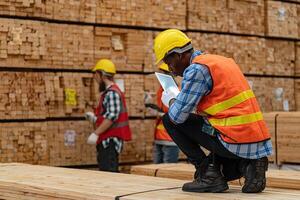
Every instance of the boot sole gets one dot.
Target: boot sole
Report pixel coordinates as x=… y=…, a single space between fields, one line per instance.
x=214 y=189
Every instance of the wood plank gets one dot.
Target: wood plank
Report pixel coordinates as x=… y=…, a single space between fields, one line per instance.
x=21 y=181
x=275 y=178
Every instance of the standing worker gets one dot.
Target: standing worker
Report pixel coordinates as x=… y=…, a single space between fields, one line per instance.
x=111 y=118
x=228 y=122
x=165 y=150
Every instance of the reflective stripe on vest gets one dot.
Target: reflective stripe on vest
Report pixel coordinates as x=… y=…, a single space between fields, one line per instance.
x=233 y=101
x=237 y=120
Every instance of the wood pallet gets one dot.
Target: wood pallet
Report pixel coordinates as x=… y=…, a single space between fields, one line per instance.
x=19 y=181
x=275 y=178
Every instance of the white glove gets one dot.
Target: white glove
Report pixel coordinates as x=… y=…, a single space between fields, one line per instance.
x=92 y=139
x=168 y=95
x=90 y=116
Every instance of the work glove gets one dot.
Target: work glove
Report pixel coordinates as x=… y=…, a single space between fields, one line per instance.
x=168 y=95
x=90 y=116
x=92 y=139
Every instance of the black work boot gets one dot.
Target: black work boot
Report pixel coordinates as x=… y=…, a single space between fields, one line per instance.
x=255 y=175
x=210 y=180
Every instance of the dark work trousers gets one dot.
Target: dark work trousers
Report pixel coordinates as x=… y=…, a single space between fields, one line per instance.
x=108 y=158
x=189 y=137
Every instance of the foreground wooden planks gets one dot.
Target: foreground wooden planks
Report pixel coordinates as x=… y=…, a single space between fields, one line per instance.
x=21 y=181
x=275 y=178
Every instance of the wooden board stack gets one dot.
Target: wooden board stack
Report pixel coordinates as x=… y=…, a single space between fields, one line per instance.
x=129 y=49
x=24 y=142
x=139 y=13
x=134 y=93
x=282 y=19
x=274 y=94
x=22 y=95
x=20 y=181
x=67 y=143
x=208 y=15
x=288 y=137
x=70 y=94
x=44 y=45
x=227 y=16
x=182 y=171
x=270 y=119
x=254 y=55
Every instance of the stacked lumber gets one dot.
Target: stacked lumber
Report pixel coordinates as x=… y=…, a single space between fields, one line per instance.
x=26 y=43
x=142 y=13
x=254 y=55
x=138 y=149
x=151 y=86
x=72 y=10
x=19 y=181
x=22 y=95
x=282 y=19
x=67 y=143
x=134 y=93
x=270 y=119
x=275 y=178
x=24 y=142
x=23 y=43
x=274 y=94
x=70 y=94
x=297 y=94
x=288 y=137
x=129 y=49
x=246 y=16
x=276 y=63
x=208 y=15
x=297 y=65
x=234 y=16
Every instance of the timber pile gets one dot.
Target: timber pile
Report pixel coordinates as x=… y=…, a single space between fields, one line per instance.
x=275 y=178
x=129 y=49
x=270 y=119
x=288 y=137
x=282 y=19
x=254 y=55
x=134 y=93
x=297 y=68
x=227 y=16
x=43 y=45
x=70 y=94
x=19 y=181
x=67 y=143
x=142 y=13
x=22 y=95
x=297 y=94
x=24 y=142
x=274 y=94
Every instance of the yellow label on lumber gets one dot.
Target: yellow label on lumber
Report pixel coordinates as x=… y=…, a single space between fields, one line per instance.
x=70 y=97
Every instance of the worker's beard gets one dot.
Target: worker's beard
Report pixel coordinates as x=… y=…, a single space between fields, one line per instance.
x=102 y=86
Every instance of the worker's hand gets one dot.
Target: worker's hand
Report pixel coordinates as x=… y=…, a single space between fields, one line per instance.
x=168 y=95
x=92 y=139
x=90 y=116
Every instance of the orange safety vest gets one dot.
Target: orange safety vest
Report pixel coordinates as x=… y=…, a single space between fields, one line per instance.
x=231 y=106
x=160 y=131
x=120 y=127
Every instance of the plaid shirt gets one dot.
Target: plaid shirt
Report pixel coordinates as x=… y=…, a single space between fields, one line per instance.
x=112 y=104
x=196 y=83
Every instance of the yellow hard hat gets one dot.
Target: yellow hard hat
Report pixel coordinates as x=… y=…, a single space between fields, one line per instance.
x=105 y=65
x=164 y=67
x=167 y=41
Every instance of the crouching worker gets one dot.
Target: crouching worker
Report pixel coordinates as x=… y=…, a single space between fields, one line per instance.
x=228 y=121
x=111 y=118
